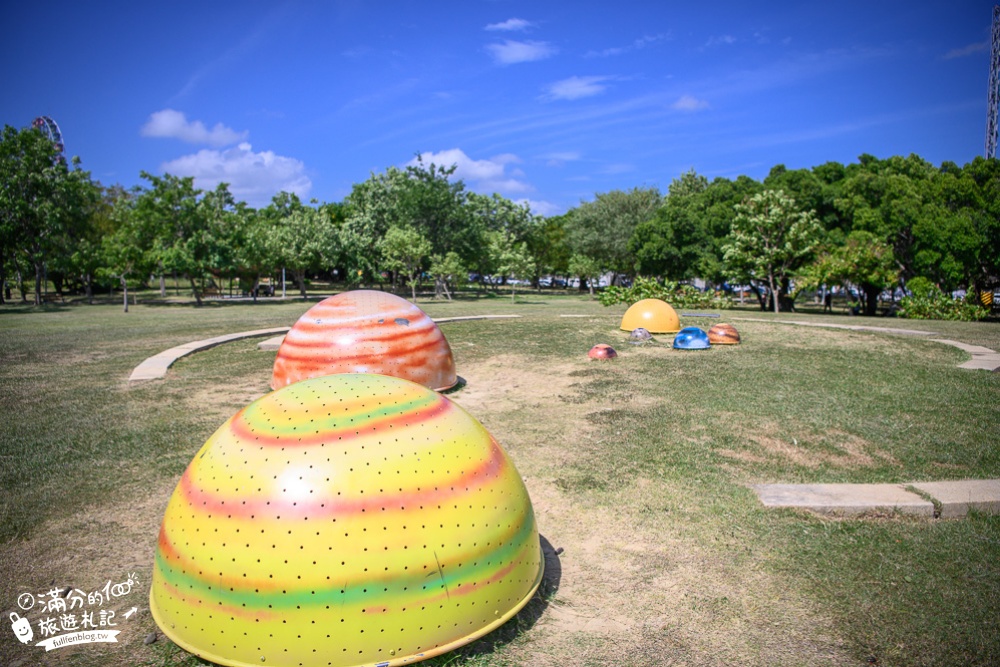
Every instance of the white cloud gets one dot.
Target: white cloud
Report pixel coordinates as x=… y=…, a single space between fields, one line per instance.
x=511 y=25
x=637 y=44
x=252 y=177
x=576 y=87
x=720 y=40
x=512 y=51
x=173 y=124
x=560 y=158
x=490 y=175
x=970 y=50
x=689 y=103
x=543 y=208
x=618 y=168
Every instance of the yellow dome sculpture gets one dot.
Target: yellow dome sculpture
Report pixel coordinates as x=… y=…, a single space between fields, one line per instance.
x=654 y=315
x=344 y=520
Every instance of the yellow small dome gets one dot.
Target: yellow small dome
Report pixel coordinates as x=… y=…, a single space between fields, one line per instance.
x=654 y=315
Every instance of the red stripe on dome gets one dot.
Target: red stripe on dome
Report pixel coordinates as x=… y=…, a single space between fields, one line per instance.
x=209 y=502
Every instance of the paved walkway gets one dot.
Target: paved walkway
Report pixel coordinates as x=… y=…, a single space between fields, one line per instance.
x=156 y=366
x=947 y=500
x=983 y=358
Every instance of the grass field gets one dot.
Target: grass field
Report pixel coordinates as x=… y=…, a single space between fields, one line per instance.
x=638 y=468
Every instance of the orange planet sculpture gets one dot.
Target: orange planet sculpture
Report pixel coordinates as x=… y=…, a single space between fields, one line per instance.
x=654 y=315
x=723 y=334
x=602 y=351
x=344 y=520
x=365 y=331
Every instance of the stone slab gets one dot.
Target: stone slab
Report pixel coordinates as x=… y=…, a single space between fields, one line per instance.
x=958 y=497
x=844 y=499
x=271 y=344
x=983 y=363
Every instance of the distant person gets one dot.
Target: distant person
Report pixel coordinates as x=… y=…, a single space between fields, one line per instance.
x=828 y=302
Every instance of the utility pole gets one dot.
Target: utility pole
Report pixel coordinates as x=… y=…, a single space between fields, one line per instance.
x=993 y=97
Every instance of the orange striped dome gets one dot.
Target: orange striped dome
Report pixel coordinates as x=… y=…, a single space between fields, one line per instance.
x=723 y=334
x=344 y=520
x=365 y=331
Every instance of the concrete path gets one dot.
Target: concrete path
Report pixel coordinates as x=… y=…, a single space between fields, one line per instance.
x=983 y=358
x=156 y=366
x=947 y=500
x=272 y=344
x=851 y=327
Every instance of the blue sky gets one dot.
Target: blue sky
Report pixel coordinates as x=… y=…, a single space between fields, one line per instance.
x=544 y=102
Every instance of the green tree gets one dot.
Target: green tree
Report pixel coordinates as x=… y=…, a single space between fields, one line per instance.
x=405 y=250
x=125 y=252
x=863 y=262
x=587 y=268
x=43 y=203
x=601 y=229
x=185 y=236
x=449 y=269
x=510 y=259
x=304 y=240
x=770 y=239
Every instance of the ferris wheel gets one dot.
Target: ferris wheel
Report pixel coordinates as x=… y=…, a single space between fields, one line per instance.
x=48 y=127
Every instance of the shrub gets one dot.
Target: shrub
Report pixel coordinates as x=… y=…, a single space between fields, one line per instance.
x=678 y=296
x=927 y=302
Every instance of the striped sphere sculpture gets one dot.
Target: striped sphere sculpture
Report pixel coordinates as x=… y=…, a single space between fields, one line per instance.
x=365 y=331
x=349 y=519
x=723 y=334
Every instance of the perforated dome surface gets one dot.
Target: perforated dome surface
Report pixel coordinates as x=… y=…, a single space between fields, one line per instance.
x=365 y=331
x=691 y=338
x=723 y=334
x=349 y=519
x=654 y=315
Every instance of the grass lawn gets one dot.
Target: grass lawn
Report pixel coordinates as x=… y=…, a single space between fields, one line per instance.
x=638 y=468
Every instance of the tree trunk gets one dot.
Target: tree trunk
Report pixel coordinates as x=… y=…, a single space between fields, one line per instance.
x=163 y=285
x=300 y=279
x=774 y=294
x=871 y=300
x=88 y=287
x=38 y=284
x=195 y=291
x=124 y=293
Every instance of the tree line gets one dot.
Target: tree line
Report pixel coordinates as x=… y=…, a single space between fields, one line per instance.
x=869 y=226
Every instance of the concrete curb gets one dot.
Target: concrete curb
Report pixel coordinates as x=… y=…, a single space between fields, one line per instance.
x=983 y=358
x=845 y=499
x=948 y=500
x=156 y=366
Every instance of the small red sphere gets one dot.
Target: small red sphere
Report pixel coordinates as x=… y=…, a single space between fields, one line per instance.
x=602 y=351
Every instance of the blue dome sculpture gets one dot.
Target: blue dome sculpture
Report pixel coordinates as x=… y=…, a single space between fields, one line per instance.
x=691 y=338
